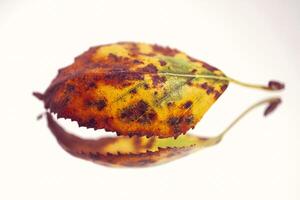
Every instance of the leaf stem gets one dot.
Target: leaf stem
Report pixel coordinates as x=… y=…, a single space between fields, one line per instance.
x=272 y=85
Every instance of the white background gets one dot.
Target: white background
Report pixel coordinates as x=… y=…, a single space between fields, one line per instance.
x=253 y=41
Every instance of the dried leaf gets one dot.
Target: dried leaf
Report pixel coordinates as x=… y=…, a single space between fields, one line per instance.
x=151 y=93
x=130 y=88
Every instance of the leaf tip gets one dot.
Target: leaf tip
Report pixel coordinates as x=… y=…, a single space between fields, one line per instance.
x=38 y=95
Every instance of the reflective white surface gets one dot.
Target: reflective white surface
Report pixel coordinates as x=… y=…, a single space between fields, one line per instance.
x=253 y=41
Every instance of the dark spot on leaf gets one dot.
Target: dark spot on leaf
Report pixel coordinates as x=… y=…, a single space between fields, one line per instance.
x=204 y=85
x=101 y=104
x=91 y=123
x=148 y=117
x=162 y=62
x=146 y=86
x=150 y=68
x=223 y=87
x=169 y=104
x=142 y=106
x=70 y=87
x=187 y=104
x=91 y=85
x=217 y=94
x=140 y=112
x=152 y=115
x=158 y=79
x=133 y=91
x=121 y=75
x=209 y=89
x=173 y=121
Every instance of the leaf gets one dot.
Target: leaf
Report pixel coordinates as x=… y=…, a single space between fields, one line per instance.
x=151 y=93
x=135 y=89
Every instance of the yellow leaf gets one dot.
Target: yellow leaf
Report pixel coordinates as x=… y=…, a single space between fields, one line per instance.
x=153 y=93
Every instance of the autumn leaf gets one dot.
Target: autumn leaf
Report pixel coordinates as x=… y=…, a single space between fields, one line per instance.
x=151 y=93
